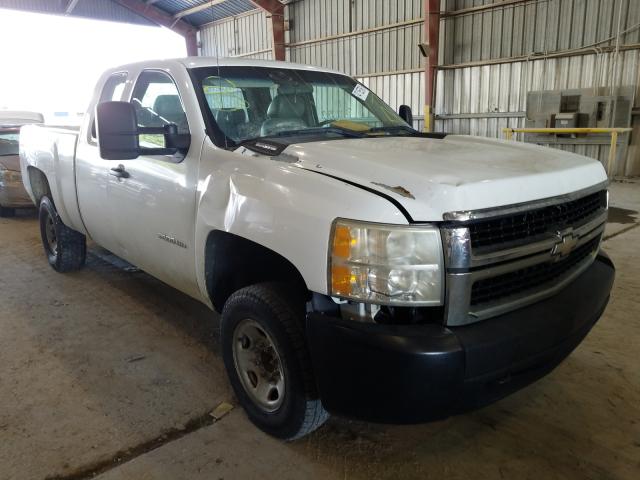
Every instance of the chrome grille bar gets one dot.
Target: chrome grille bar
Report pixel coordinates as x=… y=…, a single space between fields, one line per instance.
x=465 y=265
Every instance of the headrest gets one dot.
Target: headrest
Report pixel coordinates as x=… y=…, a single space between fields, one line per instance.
x=168 y=106
x=287 y=106
x=231 y=116
x=292 y=88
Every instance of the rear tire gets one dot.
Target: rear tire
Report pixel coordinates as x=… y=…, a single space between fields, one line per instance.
x=264 y=350
x=65 y=248
x=7 y=212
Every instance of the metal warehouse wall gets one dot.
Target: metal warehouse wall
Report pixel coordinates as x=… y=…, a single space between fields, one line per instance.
x=475 y=96
x=246 y=35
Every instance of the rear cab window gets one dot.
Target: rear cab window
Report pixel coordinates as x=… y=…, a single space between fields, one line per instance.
x=112 y=91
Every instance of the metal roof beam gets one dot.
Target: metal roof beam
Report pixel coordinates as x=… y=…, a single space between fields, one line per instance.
x=197 y=8
x=159 y=17
x=275 y=10
x=70 y=6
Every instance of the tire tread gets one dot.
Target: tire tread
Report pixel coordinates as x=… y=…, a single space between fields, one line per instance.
x=72 y=245
x=282 y=302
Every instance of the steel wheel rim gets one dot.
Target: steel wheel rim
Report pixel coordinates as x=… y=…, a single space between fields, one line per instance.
x=50 y=234
x=258 y=365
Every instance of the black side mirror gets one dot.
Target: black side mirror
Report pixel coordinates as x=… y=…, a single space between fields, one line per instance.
x=405 y=113
x=117 y=131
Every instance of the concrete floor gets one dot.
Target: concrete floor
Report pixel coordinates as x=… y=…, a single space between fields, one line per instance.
x=110 y=372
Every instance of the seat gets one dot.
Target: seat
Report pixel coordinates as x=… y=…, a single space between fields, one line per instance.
x=287 y=111
x=230 y=122
x=170 y=108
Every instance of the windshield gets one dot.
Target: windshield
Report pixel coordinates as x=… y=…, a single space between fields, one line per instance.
x=9 y=143
x=253 y=102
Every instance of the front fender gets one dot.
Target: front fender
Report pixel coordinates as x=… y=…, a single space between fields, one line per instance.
x=280 y=206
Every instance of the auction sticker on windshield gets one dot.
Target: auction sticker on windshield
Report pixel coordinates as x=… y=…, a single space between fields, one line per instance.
x=361 y=92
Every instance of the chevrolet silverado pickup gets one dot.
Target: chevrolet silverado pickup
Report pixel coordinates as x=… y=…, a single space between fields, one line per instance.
x=361 y=268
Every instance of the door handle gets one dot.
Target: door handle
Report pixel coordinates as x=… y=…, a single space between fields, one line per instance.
x=119 y=172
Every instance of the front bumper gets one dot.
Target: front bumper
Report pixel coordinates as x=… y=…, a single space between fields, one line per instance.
x=12 y=192
x=409 y=374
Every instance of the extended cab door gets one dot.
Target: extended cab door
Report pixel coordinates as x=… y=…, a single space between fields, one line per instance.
x=154 y=203
x=93 y=174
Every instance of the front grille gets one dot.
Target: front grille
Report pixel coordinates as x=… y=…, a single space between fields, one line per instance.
x=520 y=281
x=525 y=226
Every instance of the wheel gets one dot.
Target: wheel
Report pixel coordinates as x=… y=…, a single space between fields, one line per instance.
x=7 y=212
x=65 y=248
x=267 y=361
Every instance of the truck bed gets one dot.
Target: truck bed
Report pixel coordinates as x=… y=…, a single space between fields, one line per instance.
x=52 y=150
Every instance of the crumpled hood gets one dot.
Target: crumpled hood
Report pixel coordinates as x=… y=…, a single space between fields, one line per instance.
x=10 y=162
x=430 y=177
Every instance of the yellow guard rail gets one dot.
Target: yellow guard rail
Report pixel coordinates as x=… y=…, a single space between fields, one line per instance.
x=613 y=131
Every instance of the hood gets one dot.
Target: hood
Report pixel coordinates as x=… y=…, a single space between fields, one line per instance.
x=10 y=162
x=430 y=177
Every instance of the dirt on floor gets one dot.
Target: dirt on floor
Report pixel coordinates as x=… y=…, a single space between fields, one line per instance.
x=109 y=371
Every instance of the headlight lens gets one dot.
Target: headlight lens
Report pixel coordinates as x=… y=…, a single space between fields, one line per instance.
x=386 y=264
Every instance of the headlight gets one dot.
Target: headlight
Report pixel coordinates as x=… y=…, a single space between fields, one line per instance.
x=386 y=264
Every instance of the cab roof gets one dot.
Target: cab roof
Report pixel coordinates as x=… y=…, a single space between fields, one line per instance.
x=196 y=62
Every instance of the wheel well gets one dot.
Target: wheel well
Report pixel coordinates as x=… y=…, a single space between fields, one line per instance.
x=233 y=262
x=39 y=184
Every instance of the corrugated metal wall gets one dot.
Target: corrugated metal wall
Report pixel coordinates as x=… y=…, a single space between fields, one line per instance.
x=246 y=35
x=483 y=99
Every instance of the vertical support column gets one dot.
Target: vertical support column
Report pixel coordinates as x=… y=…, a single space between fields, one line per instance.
x=613 y=150
x=275 y=11
x=432 y=34
x=191 y=39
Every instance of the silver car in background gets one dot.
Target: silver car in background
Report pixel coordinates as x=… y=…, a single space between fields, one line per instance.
x=12 y=192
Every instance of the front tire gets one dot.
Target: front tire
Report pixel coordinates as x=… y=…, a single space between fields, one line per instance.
x=266 y=358
x=66 y=249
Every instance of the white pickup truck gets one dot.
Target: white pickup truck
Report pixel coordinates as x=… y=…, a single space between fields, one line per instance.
x=361 y=267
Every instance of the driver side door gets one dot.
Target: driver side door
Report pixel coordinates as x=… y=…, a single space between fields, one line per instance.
x=155 y=200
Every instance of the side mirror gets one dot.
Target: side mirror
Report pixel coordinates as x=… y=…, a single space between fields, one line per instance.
x=405 y=113
x=117 y=131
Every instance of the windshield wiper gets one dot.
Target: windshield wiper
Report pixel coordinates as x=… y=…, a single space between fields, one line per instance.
x=395 y=129
x=310 y=131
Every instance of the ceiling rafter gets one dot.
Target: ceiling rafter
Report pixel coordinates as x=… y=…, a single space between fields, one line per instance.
x=197 y=8
x=160 y=17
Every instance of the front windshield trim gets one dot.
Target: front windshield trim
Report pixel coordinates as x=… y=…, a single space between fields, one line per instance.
x=222 y=140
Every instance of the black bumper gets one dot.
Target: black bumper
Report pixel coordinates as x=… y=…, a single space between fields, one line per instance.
x=409 y=374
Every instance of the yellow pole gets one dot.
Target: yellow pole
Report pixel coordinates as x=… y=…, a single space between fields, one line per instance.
x=612 y=153
x=508 y=133
x=427 y=118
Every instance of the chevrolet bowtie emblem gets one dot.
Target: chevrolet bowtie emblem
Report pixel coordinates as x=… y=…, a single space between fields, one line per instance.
x=566 y=243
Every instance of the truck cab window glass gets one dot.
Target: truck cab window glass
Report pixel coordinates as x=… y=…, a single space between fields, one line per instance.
x=9 y=143
x=157 y=103
x=228 y=106
x=257 y=102
x=112 y=91
x=113 y=87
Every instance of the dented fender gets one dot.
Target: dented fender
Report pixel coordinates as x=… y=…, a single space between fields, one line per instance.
x=275 y=203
